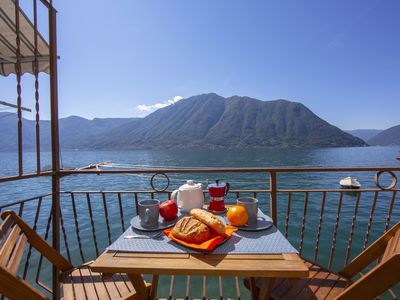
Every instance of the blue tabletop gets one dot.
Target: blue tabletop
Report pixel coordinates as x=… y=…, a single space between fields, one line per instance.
x=269 y=241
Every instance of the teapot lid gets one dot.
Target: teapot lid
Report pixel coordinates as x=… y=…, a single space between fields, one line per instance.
x=190 y=185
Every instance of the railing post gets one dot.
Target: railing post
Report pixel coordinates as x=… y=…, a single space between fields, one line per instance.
x=273 y=197
x=55 y=146
x=18 y=72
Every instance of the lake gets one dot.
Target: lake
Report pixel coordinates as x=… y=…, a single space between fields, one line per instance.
x=332 y=157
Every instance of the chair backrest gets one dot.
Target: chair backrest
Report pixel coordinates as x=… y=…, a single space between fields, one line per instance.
x=392 y=248
x=15 y=234
x=383 y=275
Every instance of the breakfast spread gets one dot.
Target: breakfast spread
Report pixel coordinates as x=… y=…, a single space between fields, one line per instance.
x=199 y=229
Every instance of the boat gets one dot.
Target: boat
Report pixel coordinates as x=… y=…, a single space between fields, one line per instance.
x=350 y=183
x=93 y=166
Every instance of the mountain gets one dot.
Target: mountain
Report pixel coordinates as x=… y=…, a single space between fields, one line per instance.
x=388 y=137
x=77 y=131
x=74 y=131
x=364 y=134
x=182 y=124
x=9 y=130
x=203 y=121
x=248 y=122
x=209 y=120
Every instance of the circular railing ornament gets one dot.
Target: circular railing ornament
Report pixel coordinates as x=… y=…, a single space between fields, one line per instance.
x=392 y=183
x=156 y=181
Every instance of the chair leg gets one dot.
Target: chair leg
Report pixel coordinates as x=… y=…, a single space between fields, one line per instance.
x=265 y=288
x=254 y=290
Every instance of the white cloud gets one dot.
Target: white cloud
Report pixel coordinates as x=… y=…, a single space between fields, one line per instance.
x=150 y=108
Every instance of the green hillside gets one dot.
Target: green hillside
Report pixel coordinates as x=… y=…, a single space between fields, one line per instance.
x=203 y=121
x=209 y=120
x=388 y=137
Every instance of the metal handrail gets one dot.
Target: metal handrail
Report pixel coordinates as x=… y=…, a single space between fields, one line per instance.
x=18 y=202
x=230 y=170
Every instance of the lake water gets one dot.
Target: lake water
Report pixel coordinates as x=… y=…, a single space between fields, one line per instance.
x=332 y=157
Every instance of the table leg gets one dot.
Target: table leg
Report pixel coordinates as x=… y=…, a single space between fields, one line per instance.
x=139 y=285
x=154 y=285
x=266 y=285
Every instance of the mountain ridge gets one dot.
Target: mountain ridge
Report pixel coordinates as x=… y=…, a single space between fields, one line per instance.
x=388 y=137
x=209 y=120
x=201 y=121
x=364 y=134
x=74 y=131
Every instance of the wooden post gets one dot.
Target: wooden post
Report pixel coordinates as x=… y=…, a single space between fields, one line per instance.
x=55 y=146
x=273 y=197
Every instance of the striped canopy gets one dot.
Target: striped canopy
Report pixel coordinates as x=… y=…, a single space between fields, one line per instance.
x=28 y=45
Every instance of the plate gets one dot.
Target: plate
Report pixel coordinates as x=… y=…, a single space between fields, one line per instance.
x=206 y=246
x=263 y=222
x=162 y=224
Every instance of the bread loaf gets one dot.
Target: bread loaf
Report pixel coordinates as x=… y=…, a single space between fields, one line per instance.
x=191 y=230
x=209 y=219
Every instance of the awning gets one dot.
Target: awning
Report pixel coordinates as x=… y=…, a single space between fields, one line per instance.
x=8 y=43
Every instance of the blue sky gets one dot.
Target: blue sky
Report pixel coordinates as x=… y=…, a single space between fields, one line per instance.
x=339 y=58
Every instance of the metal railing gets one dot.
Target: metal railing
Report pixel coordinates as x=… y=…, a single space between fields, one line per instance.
x=327 y=226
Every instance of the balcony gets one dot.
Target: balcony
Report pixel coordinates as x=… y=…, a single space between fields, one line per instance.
x=327 y=226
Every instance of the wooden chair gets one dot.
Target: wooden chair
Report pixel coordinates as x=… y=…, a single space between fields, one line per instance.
x=77 y=282
x=324 y=284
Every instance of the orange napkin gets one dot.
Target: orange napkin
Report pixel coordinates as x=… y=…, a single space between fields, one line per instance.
x=208 y=245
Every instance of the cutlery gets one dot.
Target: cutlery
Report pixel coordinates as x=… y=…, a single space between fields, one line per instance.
x=151 y=236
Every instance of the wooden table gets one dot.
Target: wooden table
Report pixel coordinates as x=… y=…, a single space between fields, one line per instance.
x=268 y=266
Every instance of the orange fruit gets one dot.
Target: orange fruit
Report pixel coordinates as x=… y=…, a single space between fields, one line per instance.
x=237 y=215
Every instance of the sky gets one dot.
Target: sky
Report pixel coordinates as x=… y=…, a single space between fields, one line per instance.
x=126 y=58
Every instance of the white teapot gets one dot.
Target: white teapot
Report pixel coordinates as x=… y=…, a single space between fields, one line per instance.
x=190 y=195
